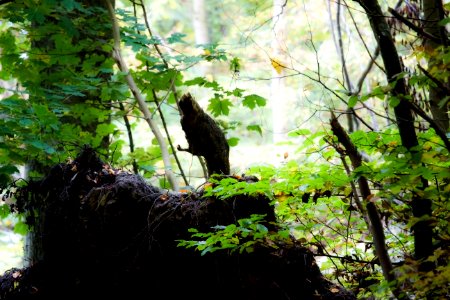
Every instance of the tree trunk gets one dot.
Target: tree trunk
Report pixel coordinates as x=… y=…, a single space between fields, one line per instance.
x=375 y=225
x=433 y=13
x=33 y=240
x=423 y=244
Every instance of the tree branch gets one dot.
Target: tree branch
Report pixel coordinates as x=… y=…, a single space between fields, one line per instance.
x=163 y=120
x=413 y=27
x=140 y=99
x=367 y=70
x=434 y=79
x=355 y=23
x=174 y=91
x=438 y=129
x=130 y=136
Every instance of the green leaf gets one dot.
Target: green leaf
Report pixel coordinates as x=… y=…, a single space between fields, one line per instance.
x=256 y=128
x=9 y=169
x=69 y=4
x=299 y=132
x=251 y=101
x=352 y=101
x=237 y=92
x=219 y=107
x=5 y=175
x=235 y=65
x=36 y=14
x=176 y=38
x=196 y=81
x=21 y=228
x=4 y=211
x=188 y=59
x=148 y=168
x=394 y=101
x=42 y=146
x=233 y=141
x=105 y=129
x=444 y=22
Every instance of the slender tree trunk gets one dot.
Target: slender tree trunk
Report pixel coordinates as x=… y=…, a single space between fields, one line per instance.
x=143 y=107
x=371 y=211
x=432 y=15
x=352 y=122
x=405 y=121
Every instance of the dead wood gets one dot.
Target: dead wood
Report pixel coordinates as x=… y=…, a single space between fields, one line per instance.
x=108 y=234
x=204 y=136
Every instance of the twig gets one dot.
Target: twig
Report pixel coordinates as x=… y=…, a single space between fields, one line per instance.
x=166 y=64
x=373 y=58
x=140 y=99
x=434 y=79
x=130 y=136
x=367 y=70
x=163 y=120
x=438 y=129
x=349 y=259
x=172 y=87
x=418 y=30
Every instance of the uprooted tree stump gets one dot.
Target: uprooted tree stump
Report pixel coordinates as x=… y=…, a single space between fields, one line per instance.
x=108 y=234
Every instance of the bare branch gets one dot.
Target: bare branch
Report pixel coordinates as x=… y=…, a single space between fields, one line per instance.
x=140 y=99
x=157 y=48
x=438 y=129
x=413 y=27
x=434 y=79
x=169 y=139
x=367 y=70
x=373 y=57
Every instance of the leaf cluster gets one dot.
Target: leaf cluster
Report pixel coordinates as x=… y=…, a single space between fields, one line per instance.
x=242 y=237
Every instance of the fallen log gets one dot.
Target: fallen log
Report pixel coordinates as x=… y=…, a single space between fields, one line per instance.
x=101 y=233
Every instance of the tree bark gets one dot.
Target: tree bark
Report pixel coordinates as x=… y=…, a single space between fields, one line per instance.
x=433 y=13
x=45 y=47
